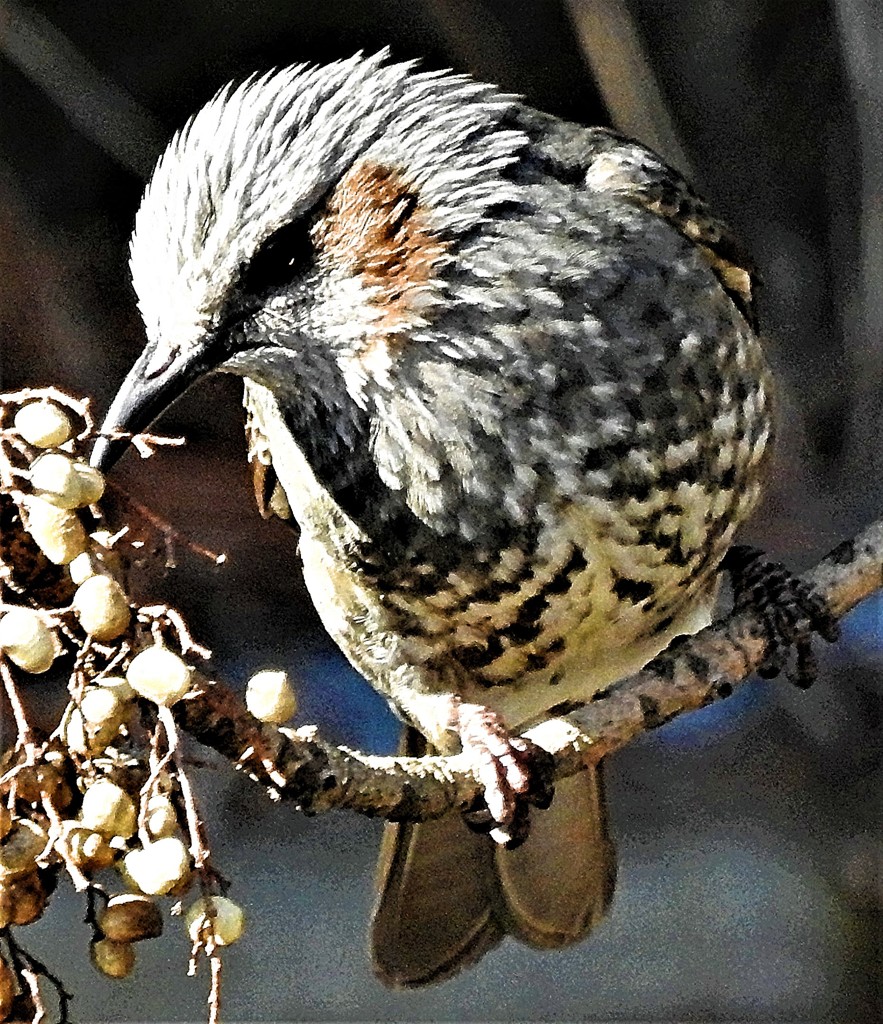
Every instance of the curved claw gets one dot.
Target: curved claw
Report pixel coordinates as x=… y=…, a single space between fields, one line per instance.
x=791 y=611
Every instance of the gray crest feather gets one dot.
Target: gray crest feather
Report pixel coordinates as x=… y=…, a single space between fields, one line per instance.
x=264 y=152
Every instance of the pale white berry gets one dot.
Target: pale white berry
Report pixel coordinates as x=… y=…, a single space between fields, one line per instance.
x=118 y=686
x=100 y=705
x=66 y=482
x=91 y=482
x=84 y=737
x=58 y=532
x=96 y=723
x=159 y=867
x=161 y=819
x=99 y=558
x=270 y=698
x=84 y=566
x=115 y=959
x=54 y=479
x=102 y=607
x=159 y=674
x=27 y=640
x=130 y=918
x=108 y=809
x=43 y=424
x=227 y=918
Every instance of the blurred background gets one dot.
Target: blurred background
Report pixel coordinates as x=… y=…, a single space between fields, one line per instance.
x=748 y=833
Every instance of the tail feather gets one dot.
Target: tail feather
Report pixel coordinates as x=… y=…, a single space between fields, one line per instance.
x=436 y=893
x=447 y=895
x=435 y=912
x=557 y=886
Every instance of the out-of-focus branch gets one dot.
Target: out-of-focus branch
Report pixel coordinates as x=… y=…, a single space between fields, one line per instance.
x=615 y=52
x=95 y=105
x=860 y=39
x=317 y=776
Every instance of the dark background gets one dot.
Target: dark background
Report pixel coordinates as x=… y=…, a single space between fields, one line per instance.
x=748 y=832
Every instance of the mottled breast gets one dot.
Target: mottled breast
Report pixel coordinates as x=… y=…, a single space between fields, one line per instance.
x=566 y=418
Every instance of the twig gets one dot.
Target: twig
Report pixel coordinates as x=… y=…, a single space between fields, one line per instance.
x=214 y=997
x=611 y=42
x=198 y=846
x=60 y=845
x=169 y=533
x=25 y=735
x=204 y=942
x=95 y=104
x=33 y=980
x=158 y=763
x=31 y=969
x=160 y=615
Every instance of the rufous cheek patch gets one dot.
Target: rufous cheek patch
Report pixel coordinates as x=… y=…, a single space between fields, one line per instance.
x=375 y=229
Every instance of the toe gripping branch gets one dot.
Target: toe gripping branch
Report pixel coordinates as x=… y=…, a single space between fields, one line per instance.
x=515 y=775
x=791 y=611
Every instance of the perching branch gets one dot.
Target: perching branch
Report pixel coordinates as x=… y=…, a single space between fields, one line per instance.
x=318 y=776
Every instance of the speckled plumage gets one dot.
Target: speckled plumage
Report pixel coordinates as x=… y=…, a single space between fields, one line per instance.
x=504 y=369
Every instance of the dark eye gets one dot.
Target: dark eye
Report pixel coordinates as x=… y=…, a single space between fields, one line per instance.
x=284 y=255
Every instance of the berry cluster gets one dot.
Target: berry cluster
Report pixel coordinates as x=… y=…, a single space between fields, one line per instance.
x=105 y=795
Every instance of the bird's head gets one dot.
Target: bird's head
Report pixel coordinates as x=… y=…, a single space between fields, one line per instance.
x=300 y=223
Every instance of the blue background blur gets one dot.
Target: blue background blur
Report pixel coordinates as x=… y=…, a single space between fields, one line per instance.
x=748 y=833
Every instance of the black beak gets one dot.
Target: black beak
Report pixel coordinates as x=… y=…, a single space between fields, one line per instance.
x=150 y=387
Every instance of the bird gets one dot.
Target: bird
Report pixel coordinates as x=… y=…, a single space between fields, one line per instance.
x=503 y=373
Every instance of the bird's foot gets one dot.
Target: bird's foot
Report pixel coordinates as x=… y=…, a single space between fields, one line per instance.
x=791 y=612
x=506 y=768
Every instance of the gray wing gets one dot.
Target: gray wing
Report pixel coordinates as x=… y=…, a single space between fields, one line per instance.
x=608 y=162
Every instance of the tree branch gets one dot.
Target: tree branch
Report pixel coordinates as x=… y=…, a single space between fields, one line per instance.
x=693 y=672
